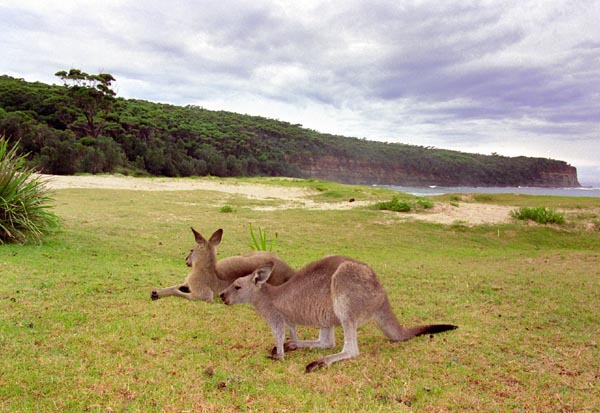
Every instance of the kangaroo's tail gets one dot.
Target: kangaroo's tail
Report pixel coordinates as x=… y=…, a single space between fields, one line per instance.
x=429 y=329
x=390 y=326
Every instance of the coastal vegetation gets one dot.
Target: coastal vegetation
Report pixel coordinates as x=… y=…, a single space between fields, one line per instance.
x=83 y=127
x=398 y=205
x=25 y=204
x=541 y=215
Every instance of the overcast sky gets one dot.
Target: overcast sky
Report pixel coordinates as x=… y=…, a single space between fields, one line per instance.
x=515 y=77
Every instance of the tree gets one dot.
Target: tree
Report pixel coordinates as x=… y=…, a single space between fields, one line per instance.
x=59 y=158
x=91 y=95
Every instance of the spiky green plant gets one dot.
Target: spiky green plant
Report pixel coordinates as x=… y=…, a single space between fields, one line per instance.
x=260 y=242
x=25 y=214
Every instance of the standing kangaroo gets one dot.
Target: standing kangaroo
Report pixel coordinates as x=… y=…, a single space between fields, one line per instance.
x=332 y=291
x=208 y=276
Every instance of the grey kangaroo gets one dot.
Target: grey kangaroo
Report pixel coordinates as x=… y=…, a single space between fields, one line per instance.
x=329 y=292
x=208 y=276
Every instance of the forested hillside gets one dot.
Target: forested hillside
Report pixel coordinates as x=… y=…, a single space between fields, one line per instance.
x=82 y=127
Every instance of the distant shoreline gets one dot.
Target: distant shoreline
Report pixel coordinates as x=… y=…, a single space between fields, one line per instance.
x=581 y=191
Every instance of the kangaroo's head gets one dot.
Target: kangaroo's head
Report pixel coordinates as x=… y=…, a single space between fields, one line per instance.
x=245 y=289
x=204 y=251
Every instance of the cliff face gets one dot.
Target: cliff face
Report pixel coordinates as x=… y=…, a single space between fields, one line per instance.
x=352 y=171
x=566 y=178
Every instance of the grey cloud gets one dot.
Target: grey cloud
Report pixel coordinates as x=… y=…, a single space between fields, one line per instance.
x=387 y=68
x=572 y=131
x=17 y=20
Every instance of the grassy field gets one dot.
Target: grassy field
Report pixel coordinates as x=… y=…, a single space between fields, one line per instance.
x=79 y=333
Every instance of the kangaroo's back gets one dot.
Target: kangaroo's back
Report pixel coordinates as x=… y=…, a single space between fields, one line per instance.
x=315 y=277
x=231 y=268
x=306 y=299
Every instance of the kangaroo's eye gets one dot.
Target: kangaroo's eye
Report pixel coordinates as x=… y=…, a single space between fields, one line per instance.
x=237 y=287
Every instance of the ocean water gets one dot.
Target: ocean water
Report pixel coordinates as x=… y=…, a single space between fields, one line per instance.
x=592 y=191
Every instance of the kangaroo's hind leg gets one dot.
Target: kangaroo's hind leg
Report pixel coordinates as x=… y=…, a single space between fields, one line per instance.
x=355 y=291
x=184 y=291
x=349 y=350
x=179 y=290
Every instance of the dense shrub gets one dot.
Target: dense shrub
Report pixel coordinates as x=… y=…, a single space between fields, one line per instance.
x=24 y=201
x=398 y=205
x=541 y=215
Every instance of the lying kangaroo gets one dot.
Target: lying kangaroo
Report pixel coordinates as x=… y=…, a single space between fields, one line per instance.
x=208 y=276
x=332 y=291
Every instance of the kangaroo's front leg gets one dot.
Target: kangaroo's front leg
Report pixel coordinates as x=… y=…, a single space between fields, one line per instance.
x=326 y=340
x=278 y=330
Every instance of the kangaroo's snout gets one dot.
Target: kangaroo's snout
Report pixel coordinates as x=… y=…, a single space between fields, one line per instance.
x=222 y=296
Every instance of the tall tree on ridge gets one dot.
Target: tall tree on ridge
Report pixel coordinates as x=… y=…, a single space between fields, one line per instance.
x=91 y=94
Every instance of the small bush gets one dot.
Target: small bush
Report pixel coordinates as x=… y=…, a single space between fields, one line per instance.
x=541 y=215
x=424 y=203
x=397 y=205
x=394 y=205
x=226 y=209
x=24 y=200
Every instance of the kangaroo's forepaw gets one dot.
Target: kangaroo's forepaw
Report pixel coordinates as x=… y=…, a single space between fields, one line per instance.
x=274 y=355
x=154 y=295
x=315 y=365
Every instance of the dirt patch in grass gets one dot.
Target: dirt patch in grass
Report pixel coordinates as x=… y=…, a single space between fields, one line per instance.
x=469 y=213
x=292 y=197
x=254 y=191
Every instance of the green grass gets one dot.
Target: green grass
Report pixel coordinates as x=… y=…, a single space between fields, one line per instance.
x=325 y=190
x=78 y=330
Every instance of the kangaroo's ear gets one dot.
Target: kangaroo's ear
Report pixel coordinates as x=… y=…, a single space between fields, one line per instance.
x=262 y=274
x=215 y=238
x=199 y=238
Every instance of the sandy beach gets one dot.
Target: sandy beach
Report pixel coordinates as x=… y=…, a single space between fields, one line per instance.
x=467 y=213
